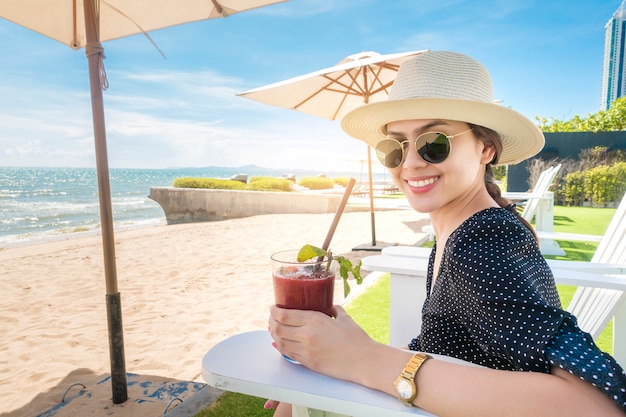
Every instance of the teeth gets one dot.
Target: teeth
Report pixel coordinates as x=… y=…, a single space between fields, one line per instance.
x=421 y=183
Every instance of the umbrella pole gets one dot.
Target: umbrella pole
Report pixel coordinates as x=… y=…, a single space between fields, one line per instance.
x=113 y=301
x=374 y=246
x=369 y=174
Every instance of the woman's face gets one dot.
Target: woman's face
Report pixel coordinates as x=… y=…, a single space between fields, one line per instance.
x=429 y=187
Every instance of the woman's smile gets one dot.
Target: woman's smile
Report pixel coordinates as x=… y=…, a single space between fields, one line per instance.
x=421 y=183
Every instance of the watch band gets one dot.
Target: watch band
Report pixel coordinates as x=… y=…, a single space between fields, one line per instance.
x=411 y=368
x=405 y=383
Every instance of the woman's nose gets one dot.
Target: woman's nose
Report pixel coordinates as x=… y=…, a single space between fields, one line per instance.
x=412 y=158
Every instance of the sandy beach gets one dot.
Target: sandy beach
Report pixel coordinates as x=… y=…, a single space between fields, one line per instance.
x=184 y=288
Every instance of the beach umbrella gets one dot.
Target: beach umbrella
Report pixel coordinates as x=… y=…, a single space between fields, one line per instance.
x=332 y=92
x=85 y=24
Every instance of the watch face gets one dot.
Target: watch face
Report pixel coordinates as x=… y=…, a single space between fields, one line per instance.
x=404 y=388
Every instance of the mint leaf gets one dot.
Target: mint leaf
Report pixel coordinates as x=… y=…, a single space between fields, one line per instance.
x=345 y=266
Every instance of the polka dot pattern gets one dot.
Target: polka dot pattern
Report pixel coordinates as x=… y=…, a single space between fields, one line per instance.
x=494 y=303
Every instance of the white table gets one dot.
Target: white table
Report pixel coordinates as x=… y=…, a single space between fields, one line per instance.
x=247 y=363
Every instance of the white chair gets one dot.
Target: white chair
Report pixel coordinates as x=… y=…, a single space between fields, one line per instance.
x=538 y=194
x=539 y=205
x=594 y=307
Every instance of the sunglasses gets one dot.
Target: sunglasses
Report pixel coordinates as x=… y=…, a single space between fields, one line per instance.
x=433 y=147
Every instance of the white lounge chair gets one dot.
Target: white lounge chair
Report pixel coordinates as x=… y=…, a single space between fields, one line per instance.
x=539 y=205
x=595 y=307
x=532 y=198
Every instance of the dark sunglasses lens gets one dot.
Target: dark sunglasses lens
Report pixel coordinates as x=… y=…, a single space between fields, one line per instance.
x=435 y=149
x=389 y=153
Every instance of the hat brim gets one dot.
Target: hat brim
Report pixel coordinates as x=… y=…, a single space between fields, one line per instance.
x=521 y=139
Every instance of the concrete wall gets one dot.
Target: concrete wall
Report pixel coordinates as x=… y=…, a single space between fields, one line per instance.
x=186 y=205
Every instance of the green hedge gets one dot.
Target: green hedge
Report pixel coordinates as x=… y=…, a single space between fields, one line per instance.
x=260 y=178
x=597 y=186
x=317 y=183
x=211 y=183
x=270 y=184
x=573 y=189
x=341 y=181
x=260 y=183
x=256 y=184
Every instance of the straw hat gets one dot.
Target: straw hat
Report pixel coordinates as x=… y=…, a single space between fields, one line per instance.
x=450 y=86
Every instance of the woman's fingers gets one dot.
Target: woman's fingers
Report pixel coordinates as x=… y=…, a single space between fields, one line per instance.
x=293 y=318
x=271 y=404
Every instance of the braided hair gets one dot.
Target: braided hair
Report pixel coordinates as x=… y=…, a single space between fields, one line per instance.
x=492 y=138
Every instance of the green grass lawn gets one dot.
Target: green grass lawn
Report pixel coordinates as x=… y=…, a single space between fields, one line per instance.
x=583 y=220
x=371 y=309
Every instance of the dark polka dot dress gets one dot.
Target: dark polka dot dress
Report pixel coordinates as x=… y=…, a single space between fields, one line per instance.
x=494 y=303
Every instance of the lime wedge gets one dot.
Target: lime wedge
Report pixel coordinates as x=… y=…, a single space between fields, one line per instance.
x=309 y=251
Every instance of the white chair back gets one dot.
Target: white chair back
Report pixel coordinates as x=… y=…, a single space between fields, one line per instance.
x=541 y=187
x=594 y=307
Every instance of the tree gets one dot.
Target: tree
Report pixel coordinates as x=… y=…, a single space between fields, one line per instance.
x=613 y=119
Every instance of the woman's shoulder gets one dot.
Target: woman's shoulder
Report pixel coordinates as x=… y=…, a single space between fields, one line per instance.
x=495 y=228
x=493 y=248
x=490 y=220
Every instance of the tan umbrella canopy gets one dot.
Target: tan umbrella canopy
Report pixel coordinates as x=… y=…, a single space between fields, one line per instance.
x=332 y=92
x=84 y=24
x=64 y=20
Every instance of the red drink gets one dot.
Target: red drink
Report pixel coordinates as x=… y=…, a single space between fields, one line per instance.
x=305 y=285
x=305 y=292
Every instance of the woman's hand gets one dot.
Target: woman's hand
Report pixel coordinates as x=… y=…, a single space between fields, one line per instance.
x=324 y=344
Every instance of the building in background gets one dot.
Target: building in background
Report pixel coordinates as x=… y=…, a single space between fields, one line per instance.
x=614 y=70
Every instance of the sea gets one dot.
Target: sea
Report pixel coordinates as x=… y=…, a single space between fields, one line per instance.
x=55 y=203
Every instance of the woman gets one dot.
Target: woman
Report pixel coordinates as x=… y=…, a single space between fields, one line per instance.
x=491 y=298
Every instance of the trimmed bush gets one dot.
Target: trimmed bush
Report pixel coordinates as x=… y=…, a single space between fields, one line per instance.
x=210 y=183
x=260 y=178
x=597 y=186
x=317 y=183
x=341 y=181
x=597 y=178
x=618 y=170
x=270 y=184
x=574 y=188
x=256 y=184
x=605 y=184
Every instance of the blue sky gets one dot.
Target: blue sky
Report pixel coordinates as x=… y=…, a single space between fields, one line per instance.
x=545 y=58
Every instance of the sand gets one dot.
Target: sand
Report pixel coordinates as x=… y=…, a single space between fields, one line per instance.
x=184 y=288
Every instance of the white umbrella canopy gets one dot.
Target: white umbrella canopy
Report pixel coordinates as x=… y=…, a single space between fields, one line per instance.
x=64 y=20
x=332 y=92
x=84 y=24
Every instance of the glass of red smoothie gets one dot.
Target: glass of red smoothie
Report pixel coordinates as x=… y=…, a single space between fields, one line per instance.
x=308 y=285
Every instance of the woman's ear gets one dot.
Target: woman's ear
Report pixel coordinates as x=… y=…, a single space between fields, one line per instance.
x=488 y=154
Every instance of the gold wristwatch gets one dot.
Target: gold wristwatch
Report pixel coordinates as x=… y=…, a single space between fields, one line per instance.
x=405 y=383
